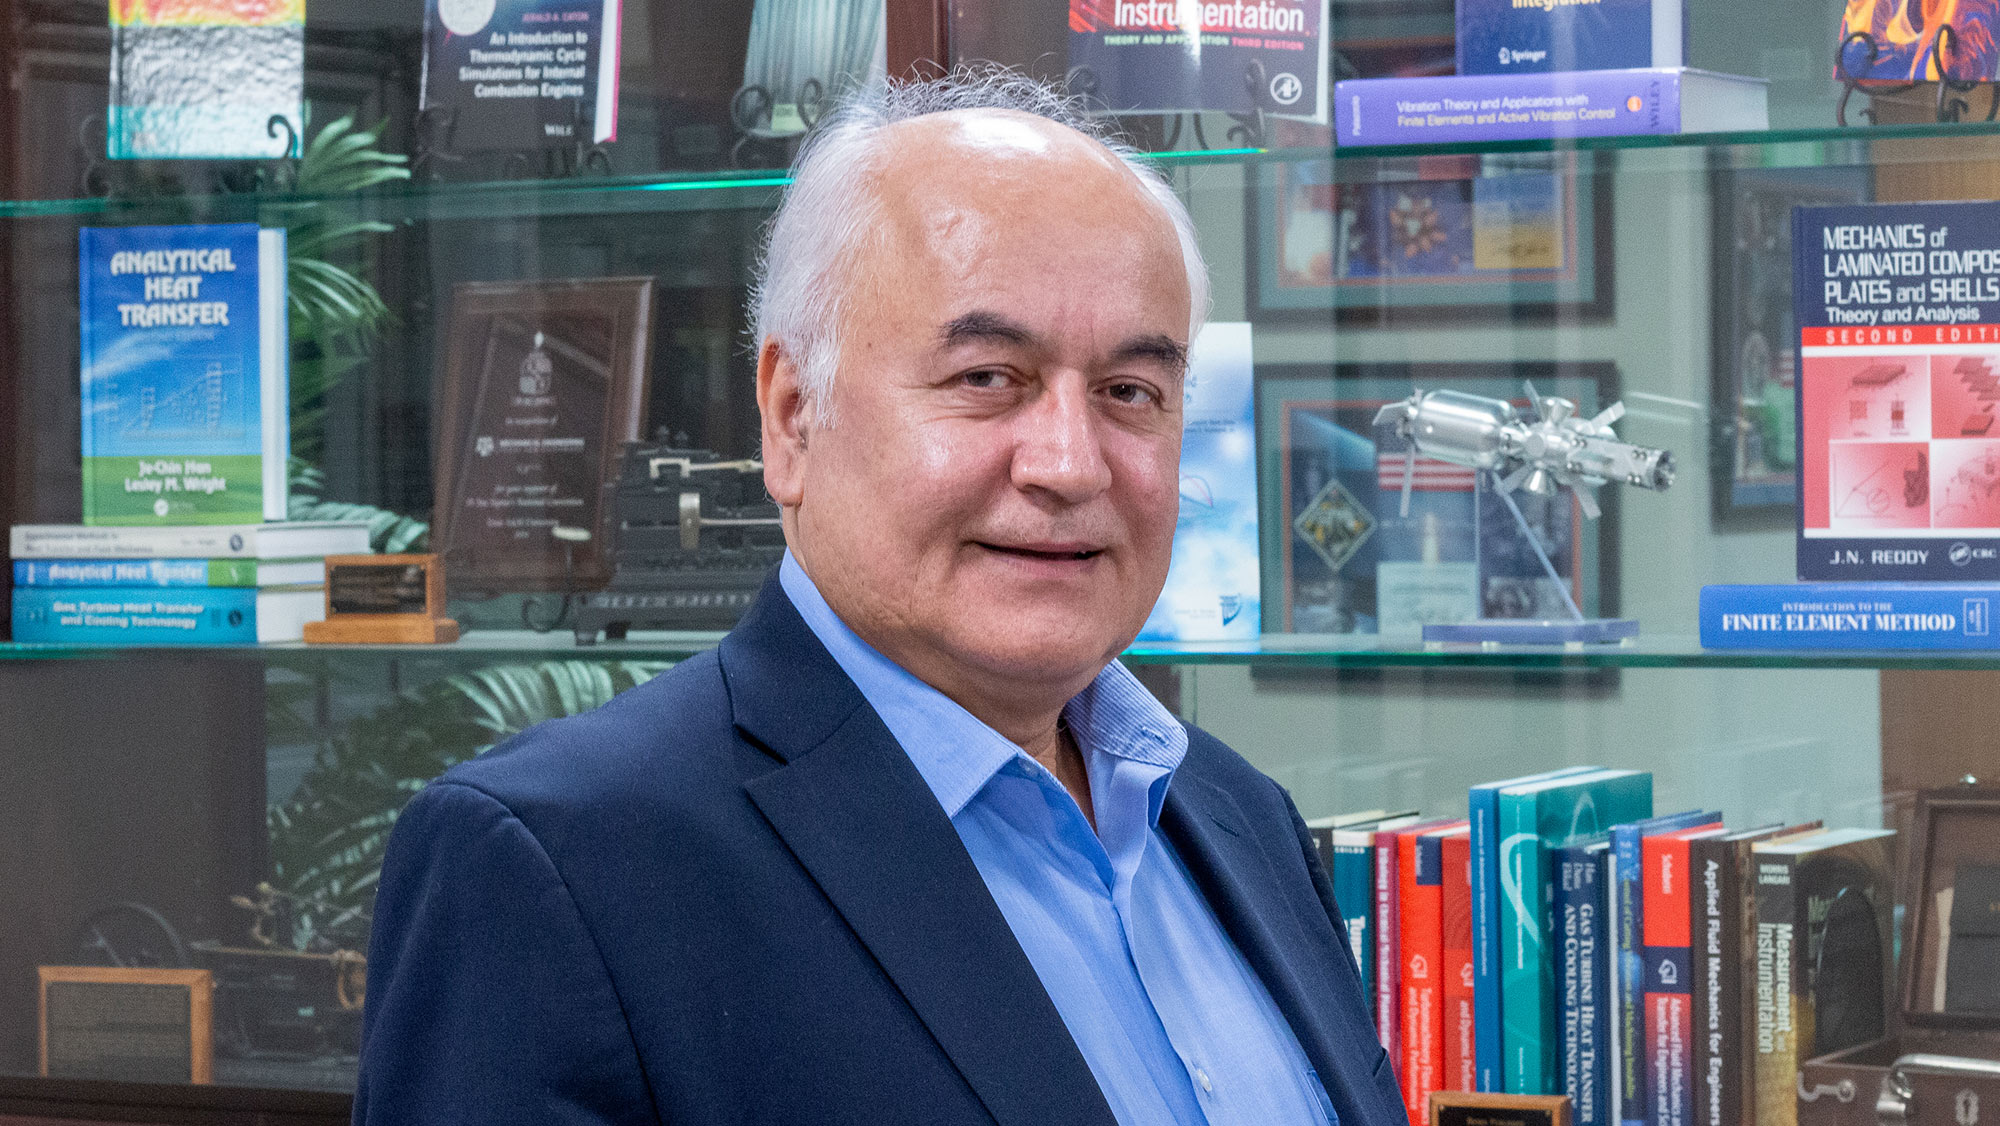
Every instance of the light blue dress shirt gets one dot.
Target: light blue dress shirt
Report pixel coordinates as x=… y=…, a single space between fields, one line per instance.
x=1173 y=1023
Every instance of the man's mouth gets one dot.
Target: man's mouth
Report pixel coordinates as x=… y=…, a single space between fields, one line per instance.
x=1051 y=552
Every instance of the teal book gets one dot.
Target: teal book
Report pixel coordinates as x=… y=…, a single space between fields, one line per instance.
x=1532 y=819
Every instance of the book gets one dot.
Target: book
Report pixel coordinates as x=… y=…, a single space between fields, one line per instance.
x=149 y=616
x=1156 y=56
x=1576 y=872
x=185 y=374
x=1823 y=957
x=1460 y=1046
x=521 y=74
x=1719 y=919
x=169 y=572
x=1895 y=391
x=1851 y=615
x=1351 y=846
x=1420 y=920
x=297 y=539
x=1482 y=809
x=1388 y=997
x=1624 y=899
x=203 y=80
x=1212 y=587
x=1321 y=830
x=1521 y=107
x=1669 y=992
x=1532 y=819
x=1506 y=37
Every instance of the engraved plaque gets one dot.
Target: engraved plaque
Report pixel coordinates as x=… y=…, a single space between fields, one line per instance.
x=378 y=588
x=1467 y=1108
x=132 y=1025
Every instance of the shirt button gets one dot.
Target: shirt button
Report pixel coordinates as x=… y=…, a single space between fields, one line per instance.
x=1201 y=1077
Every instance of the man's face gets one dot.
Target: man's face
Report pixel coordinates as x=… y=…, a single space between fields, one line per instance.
x=993 y=503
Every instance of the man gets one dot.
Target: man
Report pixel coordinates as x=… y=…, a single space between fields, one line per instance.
x=910 y=846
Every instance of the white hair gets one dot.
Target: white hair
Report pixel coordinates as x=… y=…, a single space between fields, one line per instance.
x=829 y=211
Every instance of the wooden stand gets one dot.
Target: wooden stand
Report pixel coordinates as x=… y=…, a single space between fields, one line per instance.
x=89 y=1016
x=383 y=600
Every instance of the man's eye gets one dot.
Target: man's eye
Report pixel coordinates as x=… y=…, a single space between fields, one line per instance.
x=1137 y=393
x=984 y=379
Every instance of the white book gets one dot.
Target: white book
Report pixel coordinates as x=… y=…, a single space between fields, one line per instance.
x=287 y=540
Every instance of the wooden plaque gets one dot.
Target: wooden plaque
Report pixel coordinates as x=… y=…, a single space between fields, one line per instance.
x=134 y=1025
x=1481 y=1108
x=383 y=599
x=542 y=384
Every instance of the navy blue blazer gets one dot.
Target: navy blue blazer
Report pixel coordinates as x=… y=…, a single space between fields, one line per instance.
x=729 y=897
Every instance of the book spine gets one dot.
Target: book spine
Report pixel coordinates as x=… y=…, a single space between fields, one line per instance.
x=1579 y=909
x=1628 y=979
x=1455 y=919
x=1353 y=890
x=1483 y=805
x=1669 y=1024
x=135 y=572
x=1387 y=975
x=1709 y=1010
x=217 y=542
x=1776 y=1019
x=273 y=374
x=1406 y=111
x=1848 y=616
x=86 y=239
x=1419 y=911
x=134 y=616
x=1527 y=1004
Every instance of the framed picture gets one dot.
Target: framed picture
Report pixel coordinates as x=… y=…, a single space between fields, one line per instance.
x=543 y=382
x=1755 y=445
x=1399 y=240
x=127 y=1023
x=1340 y=556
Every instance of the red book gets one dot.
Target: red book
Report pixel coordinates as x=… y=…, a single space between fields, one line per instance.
x=1420 y=942
x=1459 y=1071
x=1669 y=985
x=1387 y=979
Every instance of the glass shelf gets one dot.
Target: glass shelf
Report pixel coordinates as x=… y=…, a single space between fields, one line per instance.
x=1300 y=651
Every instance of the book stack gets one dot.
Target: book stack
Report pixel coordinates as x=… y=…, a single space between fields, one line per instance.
x=188 y=585
x=1541 y=71
x=1560 y=939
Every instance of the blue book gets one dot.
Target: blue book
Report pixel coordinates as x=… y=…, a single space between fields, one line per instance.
x=1850 y=615
x=1583 y=977
x=1625 y=904
x=1538 y=107
x=151 y=616
x=1533 y=819
x=184 y=374
x=1482 y=808
x=168 y=572
x=1211 y=592
x=1509 y=37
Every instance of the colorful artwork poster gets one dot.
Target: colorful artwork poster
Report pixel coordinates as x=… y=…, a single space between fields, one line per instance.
x=1893 y=42
x=1212 y=591
x=1514 y=234
x=1169 y=56
x=1340 y=554
x=206 y=78
x=1755 y=365
x=1899 y=382
x=521 y=74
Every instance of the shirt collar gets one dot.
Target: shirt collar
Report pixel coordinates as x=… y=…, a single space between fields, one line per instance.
x=1113 y=718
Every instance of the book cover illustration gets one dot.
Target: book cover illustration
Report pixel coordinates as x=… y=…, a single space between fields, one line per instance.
x=1824 y=923
x=521 y=74
x=1902 y=42
x=184 y=396
x=1212 y=591
x=204 y=78
x=1899 y=458
x=1162 y=56
x=1533 y=819
x=1508 y=37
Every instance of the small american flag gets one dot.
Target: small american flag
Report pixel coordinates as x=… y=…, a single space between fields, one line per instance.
x=1430 y=476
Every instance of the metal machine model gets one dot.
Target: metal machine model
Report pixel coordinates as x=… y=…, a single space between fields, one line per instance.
x=693 y=537
x=1554 y=448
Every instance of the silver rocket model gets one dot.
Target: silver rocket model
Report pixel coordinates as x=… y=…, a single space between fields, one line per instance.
x=1555 y=447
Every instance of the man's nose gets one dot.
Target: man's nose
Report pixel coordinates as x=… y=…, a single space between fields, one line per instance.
x=1060 y=447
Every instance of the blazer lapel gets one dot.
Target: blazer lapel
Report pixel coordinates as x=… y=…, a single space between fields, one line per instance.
x=1214 y=840
x=856 y=813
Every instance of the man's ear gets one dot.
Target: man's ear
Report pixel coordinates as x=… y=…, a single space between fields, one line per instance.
x=781 y=404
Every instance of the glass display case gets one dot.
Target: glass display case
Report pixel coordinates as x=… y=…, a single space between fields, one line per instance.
x=223 y=807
